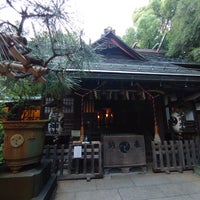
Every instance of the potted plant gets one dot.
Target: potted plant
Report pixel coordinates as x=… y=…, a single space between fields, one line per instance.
x=38 y=66
x=23 y=130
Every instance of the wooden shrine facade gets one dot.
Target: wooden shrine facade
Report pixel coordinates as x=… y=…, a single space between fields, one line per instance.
x=134 y=91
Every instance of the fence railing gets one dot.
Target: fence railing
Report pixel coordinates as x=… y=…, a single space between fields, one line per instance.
x=175 y=155
x=167 y=156
x=75 y=163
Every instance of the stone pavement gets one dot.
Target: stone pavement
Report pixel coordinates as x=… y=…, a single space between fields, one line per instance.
x=133 y=186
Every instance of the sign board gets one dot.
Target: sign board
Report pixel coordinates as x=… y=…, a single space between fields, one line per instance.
x=77 y=151
x=75 y=133
x=124 y=150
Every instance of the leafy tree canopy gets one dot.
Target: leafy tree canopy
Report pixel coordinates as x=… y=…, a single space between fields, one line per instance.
x=184 y=36
x=175 y=21
x=152 y=22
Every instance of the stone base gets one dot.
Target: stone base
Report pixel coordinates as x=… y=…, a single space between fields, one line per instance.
x=33 y=183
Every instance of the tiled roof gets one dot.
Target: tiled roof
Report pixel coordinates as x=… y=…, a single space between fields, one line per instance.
x=119 y=69
x=137 y=63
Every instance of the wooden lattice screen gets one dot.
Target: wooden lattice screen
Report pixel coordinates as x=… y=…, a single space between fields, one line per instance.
x=88 y=165
x=175 y=155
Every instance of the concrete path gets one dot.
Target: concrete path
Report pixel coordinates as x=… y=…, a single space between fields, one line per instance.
x=132 y=186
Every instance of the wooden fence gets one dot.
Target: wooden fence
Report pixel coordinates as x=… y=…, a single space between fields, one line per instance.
x=77 y=161
x=175 y=155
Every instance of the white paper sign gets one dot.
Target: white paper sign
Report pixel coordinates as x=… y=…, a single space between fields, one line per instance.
x=77 y=151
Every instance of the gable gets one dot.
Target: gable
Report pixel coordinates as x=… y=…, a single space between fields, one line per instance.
x=111 y=46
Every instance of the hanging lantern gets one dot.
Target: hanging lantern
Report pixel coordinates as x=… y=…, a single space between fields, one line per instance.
x=177 y=121
x=56 y=121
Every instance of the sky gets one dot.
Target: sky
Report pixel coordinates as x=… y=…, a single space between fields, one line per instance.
x=96 y=15
x=93 y=16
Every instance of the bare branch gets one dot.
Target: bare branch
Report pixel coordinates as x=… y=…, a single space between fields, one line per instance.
x=50 y=59
x=9 y=24
x=11 y=5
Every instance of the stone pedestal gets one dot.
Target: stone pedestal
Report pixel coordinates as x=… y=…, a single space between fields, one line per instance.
x=35 y=183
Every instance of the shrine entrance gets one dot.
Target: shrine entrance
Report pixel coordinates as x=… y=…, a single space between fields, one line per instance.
x=120 y=114
x=124 y=116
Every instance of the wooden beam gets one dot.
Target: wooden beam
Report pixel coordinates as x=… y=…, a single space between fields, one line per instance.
x=8 y=69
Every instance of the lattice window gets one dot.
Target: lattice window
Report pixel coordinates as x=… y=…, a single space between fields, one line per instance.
x=48 y=108
x=67 y=107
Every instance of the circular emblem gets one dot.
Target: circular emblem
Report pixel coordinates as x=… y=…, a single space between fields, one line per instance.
x=16 y=140
x=124 y=147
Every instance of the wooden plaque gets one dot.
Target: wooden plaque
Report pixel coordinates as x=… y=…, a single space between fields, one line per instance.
x=123 y=150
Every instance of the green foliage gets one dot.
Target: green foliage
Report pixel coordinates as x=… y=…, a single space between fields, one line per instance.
x=184 y=35
x=130 y=37
x=194 y=55
x=20 y=92
x=168 y=8
x=55 y=45
x=179 y=20
x=58 y=85
x=151 y=24
x=16 y=89
x=148 y=30
x=61 y=53
x=3 y=112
